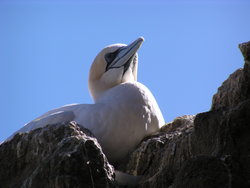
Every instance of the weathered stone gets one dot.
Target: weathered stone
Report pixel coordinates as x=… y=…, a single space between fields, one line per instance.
x=160 y=156
x=229 y=94
x=62 y=155
x=203 y=172
x=225 y=134
x=237 y=87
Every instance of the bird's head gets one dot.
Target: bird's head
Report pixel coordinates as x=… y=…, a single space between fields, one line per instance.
x=115 y=64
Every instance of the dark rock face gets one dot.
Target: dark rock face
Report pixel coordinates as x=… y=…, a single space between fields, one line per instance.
x=208 y=150
x=237 y=87
x=225 y=134
x=62 y=155
x=210 y=170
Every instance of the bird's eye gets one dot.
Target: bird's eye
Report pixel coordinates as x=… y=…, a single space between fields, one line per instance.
x=109 y=57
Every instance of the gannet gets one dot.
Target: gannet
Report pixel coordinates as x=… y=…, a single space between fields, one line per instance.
x=124 y=110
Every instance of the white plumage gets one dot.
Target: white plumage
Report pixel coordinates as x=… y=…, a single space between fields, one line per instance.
x=124 y=111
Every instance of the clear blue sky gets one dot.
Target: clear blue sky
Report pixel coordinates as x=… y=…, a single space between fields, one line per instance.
x=47 y=47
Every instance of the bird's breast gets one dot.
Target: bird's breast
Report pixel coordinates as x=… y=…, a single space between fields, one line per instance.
x=131 y=113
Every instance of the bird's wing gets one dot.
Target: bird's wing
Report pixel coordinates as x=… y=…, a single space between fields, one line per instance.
x=86 y=115
x=52 y=117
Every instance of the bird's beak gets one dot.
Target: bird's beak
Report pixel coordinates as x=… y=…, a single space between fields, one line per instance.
x=126 y=53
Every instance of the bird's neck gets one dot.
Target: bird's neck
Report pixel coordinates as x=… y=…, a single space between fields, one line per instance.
x=115 y=92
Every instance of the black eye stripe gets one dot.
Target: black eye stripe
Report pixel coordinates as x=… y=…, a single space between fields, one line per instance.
x=109 y=57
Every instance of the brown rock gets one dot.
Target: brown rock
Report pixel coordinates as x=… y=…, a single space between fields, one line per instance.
x=160 y=156
x=237 y=87
x=225 y=134
x=62 y=155
x=203 y=172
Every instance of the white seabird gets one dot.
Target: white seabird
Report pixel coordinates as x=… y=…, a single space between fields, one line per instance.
x=124 y=111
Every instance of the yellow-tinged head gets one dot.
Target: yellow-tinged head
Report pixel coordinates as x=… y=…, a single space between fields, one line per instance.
x=114 y=65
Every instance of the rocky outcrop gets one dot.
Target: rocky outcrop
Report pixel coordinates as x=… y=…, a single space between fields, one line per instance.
x=208 y=150
x=203 y=171
x=237 y=87
x=63 y=155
